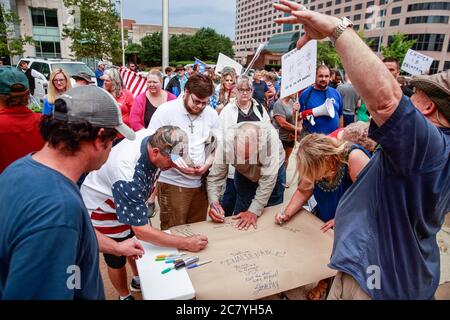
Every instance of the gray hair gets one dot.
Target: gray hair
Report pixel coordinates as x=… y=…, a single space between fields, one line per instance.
x=116 y=81
x=244 y=79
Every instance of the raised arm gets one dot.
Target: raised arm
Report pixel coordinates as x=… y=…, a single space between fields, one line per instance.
x=355 y=55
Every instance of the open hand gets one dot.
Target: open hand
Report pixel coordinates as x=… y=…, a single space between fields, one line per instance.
x=317 y=25
x=246 y=219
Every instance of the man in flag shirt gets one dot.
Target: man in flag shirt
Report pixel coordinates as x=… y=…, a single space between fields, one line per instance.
x=116 y=197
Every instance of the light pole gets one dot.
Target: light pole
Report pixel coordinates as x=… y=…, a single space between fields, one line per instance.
x=165 y=34
x=382 y=26
x=121 y=32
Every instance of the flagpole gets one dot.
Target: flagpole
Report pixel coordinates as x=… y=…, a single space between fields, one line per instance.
x=165 y=34
x=121 y=32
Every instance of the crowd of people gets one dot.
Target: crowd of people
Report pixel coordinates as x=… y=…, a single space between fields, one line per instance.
x=84 y=176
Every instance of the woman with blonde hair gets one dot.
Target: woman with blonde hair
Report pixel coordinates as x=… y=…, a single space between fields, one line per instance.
x=327 y=168
x=146 y=103
x=113 y=83
x=58 y=83
x=226 y=90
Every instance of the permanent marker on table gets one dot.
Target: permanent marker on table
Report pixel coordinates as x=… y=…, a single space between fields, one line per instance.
x=195 y=265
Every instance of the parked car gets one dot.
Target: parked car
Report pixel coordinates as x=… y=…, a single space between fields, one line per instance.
x=46 y=66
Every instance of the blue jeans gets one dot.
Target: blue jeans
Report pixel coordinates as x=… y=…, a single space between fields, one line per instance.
x=229 y=198
x=246 y=190
x=348 y=118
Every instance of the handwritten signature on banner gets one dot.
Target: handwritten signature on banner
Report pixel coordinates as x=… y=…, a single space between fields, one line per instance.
x=245 y=262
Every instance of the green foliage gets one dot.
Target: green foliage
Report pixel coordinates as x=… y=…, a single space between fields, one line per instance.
x=10 y=43
x=205 y=44
x=269 y=67
x=398 y=48
x=98 y=32
x=151 y=49
x=327 y=54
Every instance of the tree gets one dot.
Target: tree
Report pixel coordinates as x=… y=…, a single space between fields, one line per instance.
x=132 y=51
x=98 y=33
x=398 y=48
x=205 y=44
x=152 y=49
x=327 y=54
x=10 y=43
x=208 y=44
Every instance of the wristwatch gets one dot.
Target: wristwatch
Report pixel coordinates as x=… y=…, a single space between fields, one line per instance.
x=344 y=24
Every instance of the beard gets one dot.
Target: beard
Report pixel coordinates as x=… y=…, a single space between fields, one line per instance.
x=193 y=111
x=321 y=85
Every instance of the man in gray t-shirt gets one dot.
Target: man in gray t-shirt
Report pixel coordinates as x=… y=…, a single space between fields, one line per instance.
x=349 y=99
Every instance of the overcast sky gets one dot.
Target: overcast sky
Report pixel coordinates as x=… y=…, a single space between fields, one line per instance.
x=217 y=14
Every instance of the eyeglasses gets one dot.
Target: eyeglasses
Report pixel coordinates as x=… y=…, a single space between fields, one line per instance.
x=198 y=102
x=245 y=90
x=59 y=80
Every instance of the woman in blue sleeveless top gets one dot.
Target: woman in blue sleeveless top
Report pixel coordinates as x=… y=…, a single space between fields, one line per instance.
x=327 y=168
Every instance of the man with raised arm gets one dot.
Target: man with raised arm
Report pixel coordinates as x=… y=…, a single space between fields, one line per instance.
x=386 y=223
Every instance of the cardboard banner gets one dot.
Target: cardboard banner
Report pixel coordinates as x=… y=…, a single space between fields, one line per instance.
x=416 y=63
x=224 y=61
x=299 y=69
x=257 y=263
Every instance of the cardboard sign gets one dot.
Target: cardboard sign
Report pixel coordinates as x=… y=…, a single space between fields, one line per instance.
x=224 y=61
x=256 y=263
x=416 y=63
x=299 y=69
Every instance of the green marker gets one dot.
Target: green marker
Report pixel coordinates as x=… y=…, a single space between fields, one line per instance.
x=167 y=270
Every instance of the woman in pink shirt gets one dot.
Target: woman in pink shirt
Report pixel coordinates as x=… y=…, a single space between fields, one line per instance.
x=114 y=85
x=145 y=104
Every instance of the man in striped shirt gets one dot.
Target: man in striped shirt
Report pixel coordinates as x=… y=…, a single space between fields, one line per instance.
x=116 y=197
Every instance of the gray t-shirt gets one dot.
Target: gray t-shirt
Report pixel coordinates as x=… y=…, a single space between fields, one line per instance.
x=349 y=98
x=280 y=109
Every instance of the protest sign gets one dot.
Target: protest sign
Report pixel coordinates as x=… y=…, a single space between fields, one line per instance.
x=299 y=69
x=224 y=61
x=416 y=63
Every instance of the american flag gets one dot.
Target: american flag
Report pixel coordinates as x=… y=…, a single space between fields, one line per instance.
x=135 y=83
x=178 y=161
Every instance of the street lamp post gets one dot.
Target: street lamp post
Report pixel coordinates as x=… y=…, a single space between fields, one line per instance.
x=165 y=34
x=121 y=32
x=382 y=26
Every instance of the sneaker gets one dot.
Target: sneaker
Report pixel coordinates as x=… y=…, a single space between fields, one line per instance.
x=134 y=286
x=130 y=297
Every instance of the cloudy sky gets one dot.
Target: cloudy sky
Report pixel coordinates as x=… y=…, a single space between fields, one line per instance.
x=217 y=14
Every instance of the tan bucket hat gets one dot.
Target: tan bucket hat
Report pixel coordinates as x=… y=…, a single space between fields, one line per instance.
x=437 y=88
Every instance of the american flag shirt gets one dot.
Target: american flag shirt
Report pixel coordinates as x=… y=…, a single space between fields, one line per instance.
x=116 y=194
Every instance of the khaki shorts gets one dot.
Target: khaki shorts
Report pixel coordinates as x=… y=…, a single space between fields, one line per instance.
x=345 y=287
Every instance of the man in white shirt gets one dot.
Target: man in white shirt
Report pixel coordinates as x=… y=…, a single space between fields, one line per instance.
x=180 y=195
x=116 y=196
x=31 y=75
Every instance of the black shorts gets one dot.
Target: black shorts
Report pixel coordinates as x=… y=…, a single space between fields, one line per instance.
x=288 y=144
x=117 y=262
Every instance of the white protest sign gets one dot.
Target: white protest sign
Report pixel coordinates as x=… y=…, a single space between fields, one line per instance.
x=416 y=63
x=299 y=69
x=224 y=61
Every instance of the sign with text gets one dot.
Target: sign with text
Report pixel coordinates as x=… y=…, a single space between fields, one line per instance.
x=416 y=63
x=299 y=69
x=224 y=61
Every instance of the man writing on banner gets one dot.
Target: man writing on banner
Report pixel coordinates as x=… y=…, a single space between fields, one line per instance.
x=315 y=96
x=386 y=223
x=257 y=154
